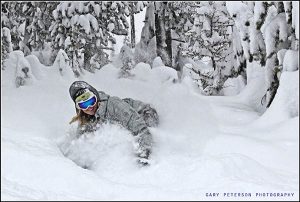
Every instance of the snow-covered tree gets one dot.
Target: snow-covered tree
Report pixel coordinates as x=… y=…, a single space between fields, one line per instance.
x=165 y=24
x=134 y=8
x=40 y=23
x=163 y=33
x=292 y=15
x=28 y=22
x=172 y=20
x=6 y=46
x=145 y=50
x=24 y=13
x=269 y=30
x=238 y=59
x=211 y=36
x=257 y=44
x=180 y=19
x=126 y=56
x=20 y=69
x=276 y=38
x=84 y=29
x=126 y=41
x=12 y=19
x=273 y=20
x=62 y=64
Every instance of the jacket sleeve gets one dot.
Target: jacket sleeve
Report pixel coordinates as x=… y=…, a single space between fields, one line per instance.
x=148 y=113
x=136 y=104
x=125 y=114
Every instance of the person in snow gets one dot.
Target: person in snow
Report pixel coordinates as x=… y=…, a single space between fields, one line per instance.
x=95 y=107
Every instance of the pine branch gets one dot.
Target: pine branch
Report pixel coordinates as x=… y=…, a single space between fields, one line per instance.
x=179 y=40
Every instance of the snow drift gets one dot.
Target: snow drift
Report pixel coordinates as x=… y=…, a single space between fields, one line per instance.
x=202 y=145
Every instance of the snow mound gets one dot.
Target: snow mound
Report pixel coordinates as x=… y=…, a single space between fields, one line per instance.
x=143 y=72
x=196 y=149
x=125 y=52
x=280 y=55
x=36 y=66
x=157 y=62
x=61 y=64
x=290 y=61
x=233 y=86
x=164 y=73
x=108 y=72
x=256 y=87
x=18 y=70
x=286 y=102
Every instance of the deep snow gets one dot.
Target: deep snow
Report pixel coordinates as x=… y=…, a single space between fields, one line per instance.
x=202 y=145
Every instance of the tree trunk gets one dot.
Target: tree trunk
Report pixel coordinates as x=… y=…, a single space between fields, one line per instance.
x=158 y=30
x=213 y=63
x=87 y=57
x=132 y=30
x=280 y=7
x=163 y=36
x=27 y=47
x=168 y=48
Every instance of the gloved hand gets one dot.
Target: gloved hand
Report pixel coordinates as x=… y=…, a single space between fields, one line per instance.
x=143 y=158
x=143 y=161
x=142 y=146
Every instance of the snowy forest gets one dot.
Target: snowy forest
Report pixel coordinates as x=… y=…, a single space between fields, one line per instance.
x=223 y=76
x=178 y=33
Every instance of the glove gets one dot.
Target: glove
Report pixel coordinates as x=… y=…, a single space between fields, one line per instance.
x=143 y=161
x=143 y=158
x=142 y=146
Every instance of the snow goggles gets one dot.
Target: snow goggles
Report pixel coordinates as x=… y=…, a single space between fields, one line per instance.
x=86 y=100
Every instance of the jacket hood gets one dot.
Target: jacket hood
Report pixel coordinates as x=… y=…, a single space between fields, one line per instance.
x=78 y=85
x=103 y=96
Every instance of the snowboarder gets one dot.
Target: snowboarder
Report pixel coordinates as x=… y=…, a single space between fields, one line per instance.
x=95 y=107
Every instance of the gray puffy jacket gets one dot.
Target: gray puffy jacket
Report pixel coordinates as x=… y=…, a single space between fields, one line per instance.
x=132 y=114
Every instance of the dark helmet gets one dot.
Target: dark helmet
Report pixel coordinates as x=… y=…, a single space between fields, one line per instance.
x=77 y=88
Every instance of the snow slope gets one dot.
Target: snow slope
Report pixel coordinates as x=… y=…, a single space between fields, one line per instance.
x=202 y=145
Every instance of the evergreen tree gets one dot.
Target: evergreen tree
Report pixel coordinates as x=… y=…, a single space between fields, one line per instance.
x=127 y=41
x=126 y=56
x=270 y=32
x=257 y=44
x=134 y=8
x=180 y=20
x=276 y=38
x=6 y=46
x=165 y=24
x=84 y=30
x=238 y=59
x=163 y=33
x=145 y=50
x=28 y=22
x=11 y=18
x=288 y=7
x=211 y=36
x=40 y=23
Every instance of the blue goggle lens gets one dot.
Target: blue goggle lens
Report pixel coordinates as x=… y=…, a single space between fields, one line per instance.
x=87 y=103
